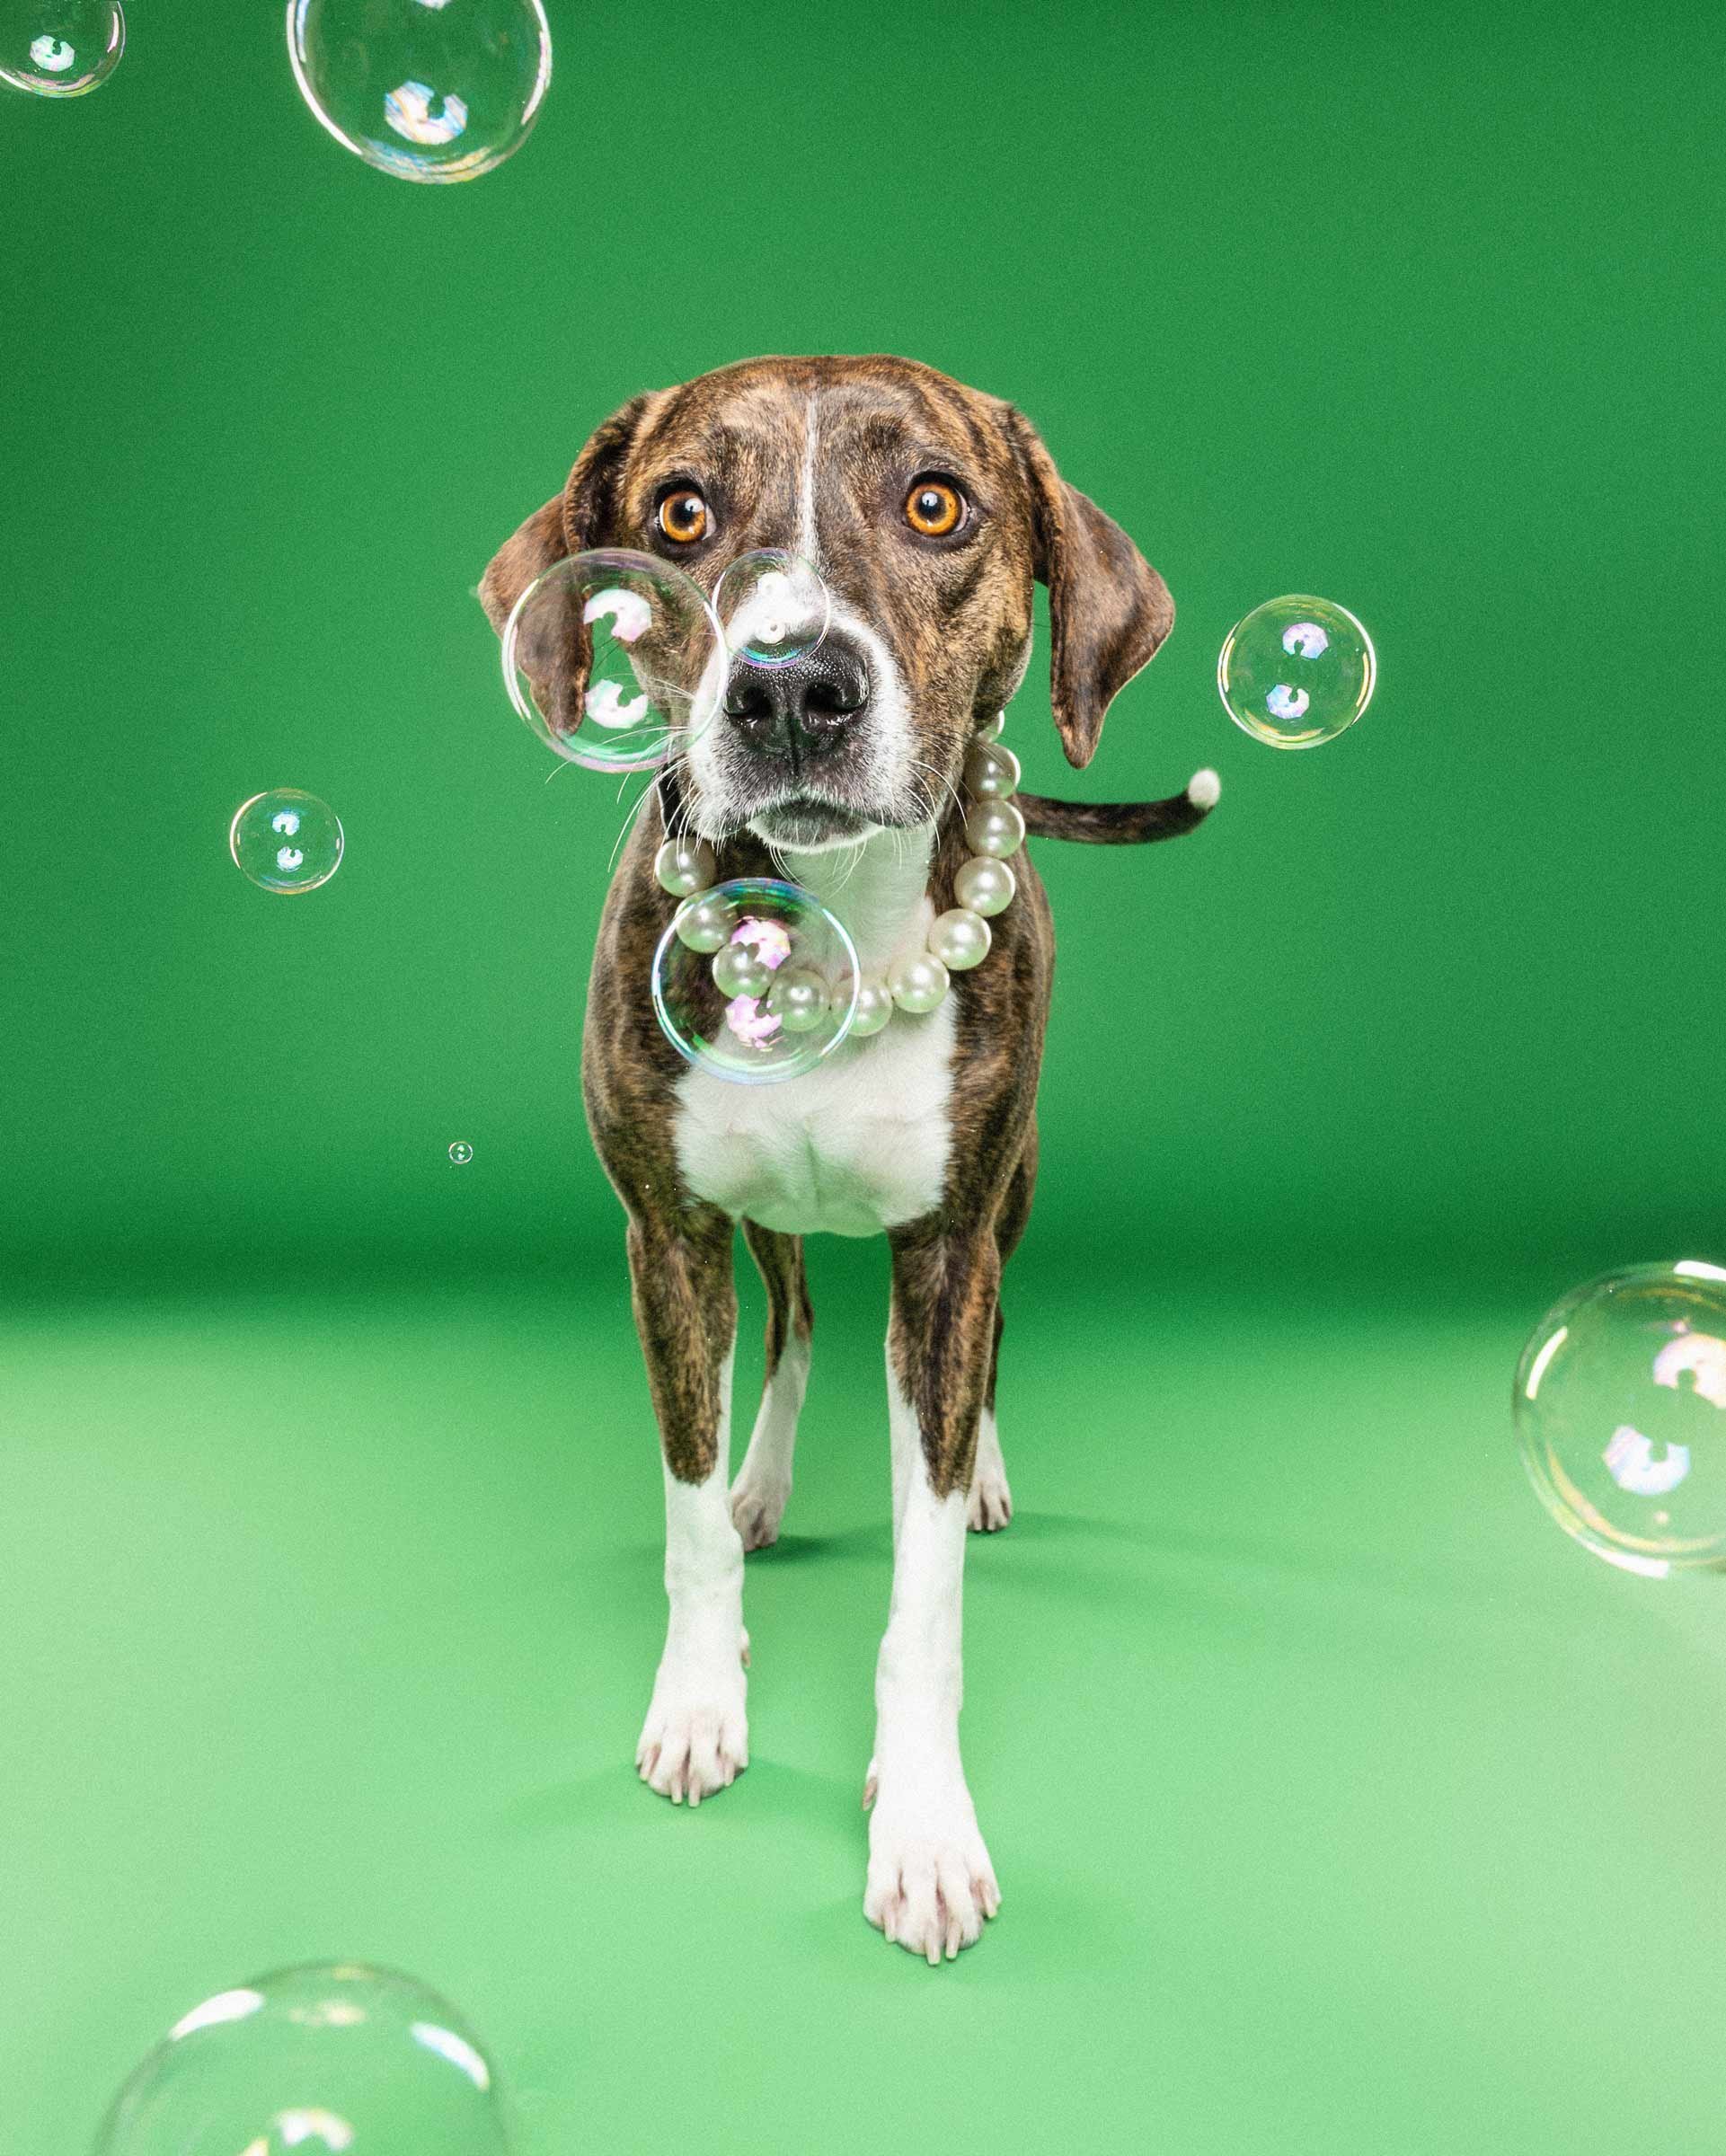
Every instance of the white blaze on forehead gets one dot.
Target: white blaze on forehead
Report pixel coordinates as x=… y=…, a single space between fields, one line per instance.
x=807 y=543
x=895 y=777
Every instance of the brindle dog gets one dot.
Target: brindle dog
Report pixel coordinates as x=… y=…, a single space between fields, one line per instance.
x=931 y=510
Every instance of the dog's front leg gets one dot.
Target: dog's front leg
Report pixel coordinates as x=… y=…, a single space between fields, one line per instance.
x=696 y=1739
x=930 y=1884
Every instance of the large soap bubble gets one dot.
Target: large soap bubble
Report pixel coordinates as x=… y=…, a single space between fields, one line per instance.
x=431 y=90
x=61 y=48
x=1297 y=672
x=338 y=2061
x=611 y=659
x=286 y=841
x=754 y=979
x=1620 y=1409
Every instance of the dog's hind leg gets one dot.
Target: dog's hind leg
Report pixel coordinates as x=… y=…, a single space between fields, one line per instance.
x=764 y=1482
x=991 y=1500
x=696 y=1739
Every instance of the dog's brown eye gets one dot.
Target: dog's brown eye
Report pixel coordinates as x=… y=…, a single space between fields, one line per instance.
x=683 y=516
x=934 y=508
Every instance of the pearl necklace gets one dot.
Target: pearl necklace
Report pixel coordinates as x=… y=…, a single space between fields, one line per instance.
x=916 y=981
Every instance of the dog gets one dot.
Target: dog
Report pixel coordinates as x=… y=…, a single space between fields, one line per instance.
x=930 y=509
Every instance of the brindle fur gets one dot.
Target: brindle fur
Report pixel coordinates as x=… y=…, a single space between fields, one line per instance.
x=779 y=1259
x=958 y=617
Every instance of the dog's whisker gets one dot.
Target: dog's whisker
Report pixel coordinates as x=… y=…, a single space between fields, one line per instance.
x=628 y=824
x=650 y=782
x=924 y=799
x=935 y=772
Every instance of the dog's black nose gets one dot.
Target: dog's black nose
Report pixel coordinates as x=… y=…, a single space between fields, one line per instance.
x=799 y=712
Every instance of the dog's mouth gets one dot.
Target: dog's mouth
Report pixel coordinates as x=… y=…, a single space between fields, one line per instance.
x=807 y=823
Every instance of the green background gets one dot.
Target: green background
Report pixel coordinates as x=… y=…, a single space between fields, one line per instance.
x=1338 y=1802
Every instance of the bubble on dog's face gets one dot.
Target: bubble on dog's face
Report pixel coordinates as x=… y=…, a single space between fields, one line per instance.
x=905 y=492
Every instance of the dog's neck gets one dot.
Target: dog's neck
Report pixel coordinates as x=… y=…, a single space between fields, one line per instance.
x=879 y=888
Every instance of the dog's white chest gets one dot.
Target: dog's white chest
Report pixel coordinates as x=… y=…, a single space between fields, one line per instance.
x=856 y=1145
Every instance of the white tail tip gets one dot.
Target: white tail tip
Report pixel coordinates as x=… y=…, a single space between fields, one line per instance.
x=1204 y=788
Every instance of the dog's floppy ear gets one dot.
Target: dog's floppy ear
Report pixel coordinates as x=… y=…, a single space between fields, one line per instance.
x=1108 y=608
x=556 y=647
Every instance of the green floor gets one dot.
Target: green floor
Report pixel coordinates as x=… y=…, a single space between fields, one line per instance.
x=1338 y=1804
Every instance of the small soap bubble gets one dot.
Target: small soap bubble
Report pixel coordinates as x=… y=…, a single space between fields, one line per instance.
x=613 y=660
x=431 y=90
x=773 y=607
x=286 y=841
x=461 y=1153
x=1620 y=1409
x=61 y=48
x=343 y=2061
x=1297 y=672
x=755 y=980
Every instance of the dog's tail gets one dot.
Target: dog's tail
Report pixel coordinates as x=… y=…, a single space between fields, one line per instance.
x=1122 y=823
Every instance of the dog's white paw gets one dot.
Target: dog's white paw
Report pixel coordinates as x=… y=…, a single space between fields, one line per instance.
x=931 y=1887
x=991 y=1501
x=757 y=1506
x=696 y=1739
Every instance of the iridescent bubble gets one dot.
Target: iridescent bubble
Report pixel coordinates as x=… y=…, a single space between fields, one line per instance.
x=286 y=841
x=431 y=90
x=613 y=659
x=755 y=980
x=343 y=2061
x=772 y=608
x=59 y=47
x=1620 y=1409
x=1297 y=672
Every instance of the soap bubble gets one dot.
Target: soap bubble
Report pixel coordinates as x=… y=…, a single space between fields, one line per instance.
x=59 y=47
x=755 y=980
x=1297 y=672
x=286 y=841
x=429 y=89
x=349 y=2060
x=1620 y=1409
x=772 y=608
x=613 y=660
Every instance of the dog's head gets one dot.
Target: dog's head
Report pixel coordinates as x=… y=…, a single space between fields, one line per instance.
x=929 y=509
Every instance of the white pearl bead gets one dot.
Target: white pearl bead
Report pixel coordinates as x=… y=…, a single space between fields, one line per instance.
x=917 y=981
x=995 y=828
x=959 y=939
x=874 y=1007
x=797 y=999
x=685 y=866
x=986 y=886
x=738 y=971
x=991 y=770
x=703 y=924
